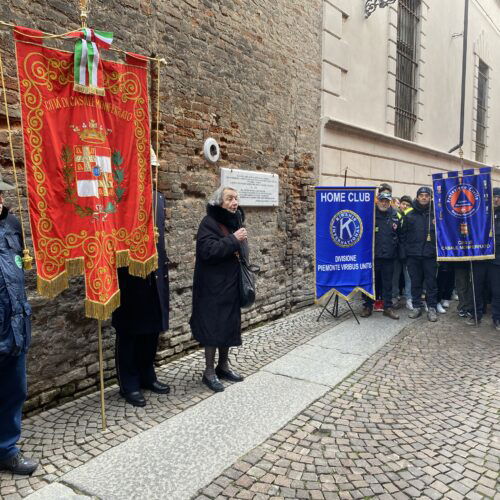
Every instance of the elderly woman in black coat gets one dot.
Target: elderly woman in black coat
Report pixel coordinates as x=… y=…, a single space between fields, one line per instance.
x=216 y=316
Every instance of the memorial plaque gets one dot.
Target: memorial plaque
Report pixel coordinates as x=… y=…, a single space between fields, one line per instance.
x=256 y=189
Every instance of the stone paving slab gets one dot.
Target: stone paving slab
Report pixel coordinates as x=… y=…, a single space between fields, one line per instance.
x=58 y=491
x=68 y=436
x=419 y=419
x=176 y=458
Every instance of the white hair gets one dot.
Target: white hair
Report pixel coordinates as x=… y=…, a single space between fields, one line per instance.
x=217 y=196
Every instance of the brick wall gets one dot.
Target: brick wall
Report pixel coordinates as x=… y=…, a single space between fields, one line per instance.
x=245 y=72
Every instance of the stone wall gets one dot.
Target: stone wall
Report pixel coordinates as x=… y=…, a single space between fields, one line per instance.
x=245 y=72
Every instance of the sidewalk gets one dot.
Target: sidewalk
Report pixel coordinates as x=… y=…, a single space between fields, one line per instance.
x=68 y=436
x=319 y=416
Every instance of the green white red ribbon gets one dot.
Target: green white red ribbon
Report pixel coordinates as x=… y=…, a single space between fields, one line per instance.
x=88 y=76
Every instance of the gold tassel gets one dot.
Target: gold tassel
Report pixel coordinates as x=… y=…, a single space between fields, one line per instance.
x=75 y=267
x=88 y=89
x=157 y=234
x=142 y=269
x=98 y=310
x=122 y=258
x=27 y=260
x=54 y=287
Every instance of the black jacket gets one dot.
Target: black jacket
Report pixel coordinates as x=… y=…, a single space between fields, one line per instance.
x=144 y=302
x=386 y=234
x=418 y=232
x=15 y=312
x=497 y=236
x=216 y=314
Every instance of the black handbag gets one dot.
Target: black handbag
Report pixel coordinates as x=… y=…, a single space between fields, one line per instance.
x=247 y=282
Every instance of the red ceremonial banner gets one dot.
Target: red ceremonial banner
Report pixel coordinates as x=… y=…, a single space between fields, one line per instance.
x=88 y=172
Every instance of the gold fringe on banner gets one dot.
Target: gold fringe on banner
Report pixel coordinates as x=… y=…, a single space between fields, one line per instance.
x=122 y=258
x=98 y=310
x=88 y=89
x=75 y=267
x=52 y=288
x=142 y=269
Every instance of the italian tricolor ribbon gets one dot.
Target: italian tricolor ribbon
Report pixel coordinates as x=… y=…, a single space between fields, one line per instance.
x=88 y=74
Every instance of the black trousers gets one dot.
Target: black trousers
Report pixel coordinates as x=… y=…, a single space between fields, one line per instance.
x=423 y=270
x=445 y=281
x=486 y=274
x=134 y=358
x=384 y=270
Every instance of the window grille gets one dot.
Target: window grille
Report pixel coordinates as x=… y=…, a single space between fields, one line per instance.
x=406 y=68
x=482 y=102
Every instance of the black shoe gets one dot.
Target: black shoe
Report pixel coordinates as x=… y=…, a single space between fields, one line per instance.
x=366 y=312
x=496 y=324
x=135 y=398
x=213 y=383
x=229 y=375
x=158 y=387
x=18 y=464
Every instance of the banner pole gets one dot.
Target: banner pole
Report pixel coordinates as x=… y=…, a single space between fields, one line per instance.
x=101 y=374
x=473 y=291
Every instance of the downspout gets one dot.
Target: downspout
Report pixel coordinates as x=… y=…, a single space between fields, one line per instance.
x=464 y=74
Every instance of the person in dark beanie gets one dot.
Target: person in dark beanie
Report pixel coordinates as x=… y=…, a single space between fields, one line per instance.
x=386 y=245
x=418 y=237
x=487 y=272
x=15 y=336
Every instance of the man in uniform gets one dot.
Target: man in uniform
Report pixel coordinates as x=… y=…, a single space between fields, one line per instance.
x=15 y=335
x=141 y=317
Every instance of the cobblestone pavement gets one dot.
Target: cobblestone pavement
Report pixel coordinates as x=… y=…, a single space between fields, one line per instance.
x=70 y=435
x=420 y=419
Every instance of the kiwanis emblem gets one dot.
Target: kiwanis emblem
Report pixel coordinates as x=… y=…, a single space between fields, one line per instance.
x=346 y=228
x=463 y=200
x=92 y=173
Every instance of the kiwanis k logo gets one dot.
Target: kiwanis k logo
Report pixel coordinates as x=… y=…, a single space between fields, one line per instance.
x=346 y=228
x=92 y=172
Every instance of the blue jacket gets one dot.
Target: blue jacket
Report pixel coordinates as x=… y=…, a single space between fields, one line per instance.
x=15 y=312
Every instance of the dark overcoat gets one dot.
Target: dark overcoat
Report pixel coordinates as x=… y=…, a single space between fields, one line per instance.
x=216 y=314
x=144 y=303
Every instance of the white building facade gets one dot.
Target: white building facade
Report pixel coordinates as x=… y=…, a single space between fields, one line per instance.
x=392 y=90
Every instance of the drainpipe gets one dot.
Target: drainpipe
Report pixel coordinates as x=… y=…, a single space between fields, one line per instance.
x=464 y=74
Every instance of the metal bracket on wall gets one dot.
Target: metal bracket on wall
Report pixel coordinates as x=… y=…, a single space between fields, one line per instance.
x=371 y=5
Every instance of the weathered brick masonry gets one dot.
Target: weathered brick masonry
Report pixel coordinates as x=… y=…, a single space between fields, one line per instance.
x=246 y=72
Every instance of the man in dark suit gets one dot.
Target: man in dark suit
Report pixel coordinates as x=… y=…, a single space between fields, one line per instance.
x=141 y=317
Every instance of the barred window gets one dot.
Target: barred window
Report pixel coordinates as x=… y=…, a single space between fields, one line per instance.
x=406 y=68
x=482 y=102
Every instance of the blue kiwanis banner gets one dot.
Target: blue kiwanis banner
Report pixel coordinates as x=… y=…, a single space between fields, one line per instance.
x=464 y=215
x=345 y=219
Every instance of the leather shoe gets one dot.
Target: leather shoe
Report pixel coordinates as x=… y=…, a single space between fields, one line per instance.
x=213 y=383
x=229 y=375
x=19 y=464
x=135 y=398
x=389 y=312
x=366 y=312
x=158 y=387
